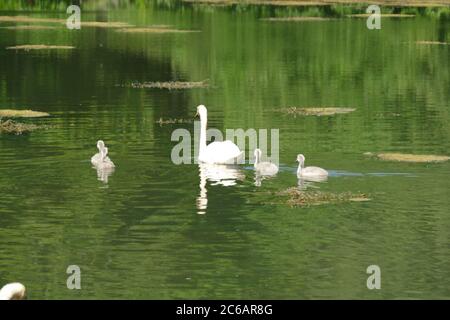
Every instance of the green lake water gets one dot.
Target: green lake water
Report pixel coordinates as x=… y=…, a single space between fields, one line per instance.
x=140 y=236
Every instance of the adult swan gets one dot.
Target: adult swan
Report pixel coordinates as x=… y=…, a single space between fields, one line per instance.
x=217 y=152
x=13 y=291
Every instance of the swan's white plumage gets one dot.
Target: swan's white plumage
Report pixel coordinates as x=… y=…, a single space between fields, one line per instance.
x=217 y=152
x=220 y=152
x=313 y=178
x=264 y=168
x=13 y=291
x=313 y=171
x=97 y=158
x=309 y=171
x=105 y=162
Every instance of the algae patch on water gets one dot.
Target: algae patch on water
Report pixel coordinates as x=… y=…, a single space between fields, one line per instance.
x=12 y=127
x=17 y=128
x=295 y=197
x=30 y=19
x=99 y=24
x=29 y=27
x=316 y=111
x=105 y=24
x=405 y=157
x=28 y=47
x=382 y=15
x=423 y=42
x=296 y=19
x=155 y=29
x=162 y=121
x=10 y=113
x=282 y=3
x=170 y=85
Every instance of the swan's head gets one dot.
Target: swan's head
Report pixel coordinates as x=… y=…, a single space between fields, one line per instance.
x=13 y=291
x=257 y=153
x=100 y=144
x=201 y=111
x=301 y=159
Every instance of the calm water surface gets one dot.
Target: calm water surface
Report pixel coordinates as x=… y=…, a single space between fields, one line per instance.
x=140 y=235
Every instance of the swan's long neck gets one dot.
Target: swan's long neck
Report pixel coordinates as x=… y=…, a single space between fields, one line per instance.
x=100 y=146
x=299 y=169
x=203 y=123
x=256 y=159
x=104 y=153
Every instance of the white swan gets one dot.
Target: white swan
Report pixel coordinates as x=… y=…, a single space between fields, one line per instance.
x=264 y=168
x=217 y=152
x=98 y=156
x=13 y=291
x=105 y=162
x=308 y=171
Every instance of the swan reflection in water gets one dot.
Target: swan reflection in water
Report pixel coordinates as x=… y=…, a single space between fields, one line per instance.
x=103 y=173
x=216 y=174
x=309 y=182
x=260 y=177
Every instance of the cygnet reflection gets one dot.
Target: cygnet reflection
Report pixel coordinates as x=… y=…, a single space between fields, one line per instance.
x=310 y=182
x=259 y=178
x=103 y=173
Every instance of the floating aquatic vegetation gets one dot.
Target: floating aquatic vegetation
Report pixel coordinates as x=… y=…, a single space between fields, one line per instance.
x=295 y=197
x=296 y=19
x=99 y=24
x=334 y=6
x=30 y=19
x=387 y=114
x=260 y=2
x=432 y=43
x=383 y=15
x=105 y=24
x=405 y=157
x=162 y=121
x=155 y=29
x=29 y=27
x=160 y=26
x=28 y=47
x=9 y=113
x=170 y=85
x=315 y=111
x=12 y=127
